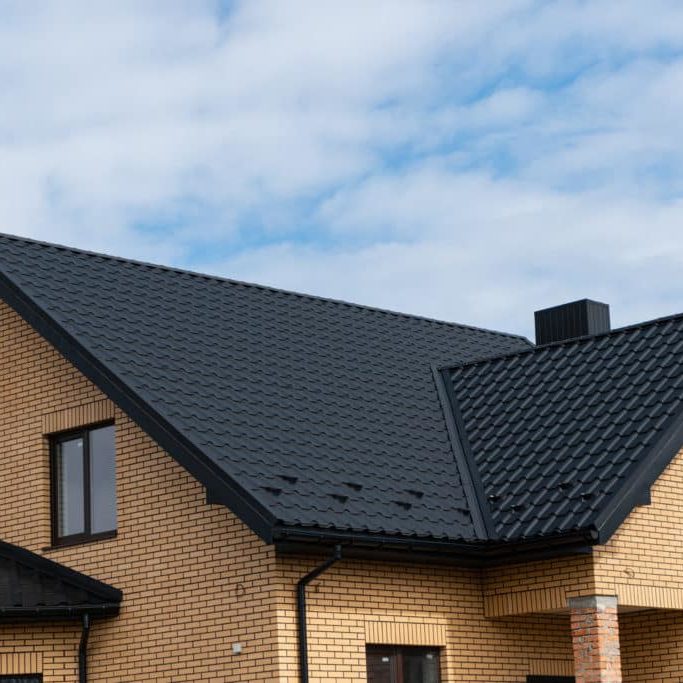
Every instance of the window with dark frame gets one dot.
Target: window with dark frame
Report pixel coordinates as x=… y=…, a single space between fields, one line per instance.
x=402 y=664
x=83 y=485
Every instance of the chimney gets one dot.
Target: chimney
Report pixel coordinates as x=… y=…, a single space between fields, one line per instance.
x=568 y=321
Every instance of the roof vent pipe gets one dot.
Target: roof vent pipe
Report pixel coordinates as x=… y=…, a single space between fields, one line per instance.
x=569 y=321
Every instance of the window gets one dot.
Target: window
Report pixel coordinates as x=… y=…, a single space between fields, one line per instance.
x=402 y=665
x=83 y=485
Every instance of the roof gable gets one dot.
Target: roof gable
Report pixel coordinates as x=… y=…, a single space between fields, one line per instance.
x=569 y=436
x=296 y=411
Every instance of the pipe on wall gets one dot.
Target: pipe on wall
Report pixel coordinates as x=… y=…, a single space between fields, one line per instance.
x=301 y=610
x=83 y=650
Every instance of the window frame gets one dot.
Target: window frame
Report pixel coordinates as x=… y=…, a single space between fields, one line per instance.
x=398 y=652
x=86 y=536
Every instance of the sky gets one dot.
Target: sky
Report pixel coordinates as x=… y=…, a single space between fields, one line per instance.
x=467 y=161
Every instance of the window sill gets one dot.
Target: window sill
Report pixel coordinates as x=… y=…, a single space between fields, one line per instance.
x=81 y=540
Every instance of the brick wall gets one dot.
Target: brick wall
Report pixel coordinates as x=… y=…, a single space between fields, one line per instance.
x=652 y=646
x=595 y=639
x=537 y=586
x=443 y=602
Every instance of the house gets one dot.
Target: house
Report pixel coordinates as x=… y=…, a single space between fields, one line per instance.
x=207 y=480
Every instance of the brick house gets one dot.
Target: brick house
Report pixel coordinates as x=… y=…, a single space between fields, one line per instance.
x=205 y=480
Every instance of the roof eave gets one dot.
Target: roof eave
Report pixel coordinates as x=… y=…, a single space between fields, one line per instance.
x=476 y=553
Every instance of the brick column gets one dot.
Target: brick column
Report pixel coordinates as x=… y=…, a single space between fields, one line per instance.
x=595 y=639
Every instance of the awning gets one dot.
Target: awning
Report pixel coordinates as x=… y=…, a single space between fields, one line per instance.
x=34 y=587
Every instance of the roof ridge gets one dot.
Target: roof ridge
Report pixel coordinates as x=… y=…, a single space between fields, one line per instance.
x=575 y=341
x=277 y=290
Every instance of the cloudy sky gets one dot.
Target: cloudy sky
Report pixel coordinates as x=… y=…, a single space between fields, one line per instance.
x=471 y=161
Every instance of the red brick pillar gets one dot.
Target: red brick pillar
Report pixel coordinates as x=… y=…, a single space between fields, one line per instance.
x=595 y=639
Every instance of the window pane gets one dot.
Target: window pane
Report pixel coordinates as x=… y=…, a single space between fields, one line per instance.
x=420 y=667
x=380 y=666
x=102 y=480
x=70 y=498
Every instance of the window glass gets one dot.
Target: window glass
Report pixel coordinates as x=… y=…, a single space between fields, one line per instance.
x=420 y=667
x=380 y=667
x=70 y=498
x=102 y=480
x=402 y=664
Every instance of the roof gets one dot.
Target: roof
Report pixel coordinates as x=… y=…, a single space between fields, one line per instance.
x=32 y=586
x=324 y=420
x=571 y=435
x=297 y=411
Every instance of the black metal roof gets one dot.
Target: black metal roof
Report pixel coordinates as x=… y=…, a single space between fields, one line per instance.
x=32 y=586
x=319 y=419
x=570 y=436
x=297 y=411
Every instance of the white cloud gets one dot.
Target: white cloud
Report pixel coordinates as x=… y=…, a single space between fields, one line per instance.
x=469 y=249
x=464 y=160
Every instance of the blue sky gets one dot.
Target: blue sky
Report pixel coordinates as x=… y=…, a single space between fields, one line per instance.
x=462 y=160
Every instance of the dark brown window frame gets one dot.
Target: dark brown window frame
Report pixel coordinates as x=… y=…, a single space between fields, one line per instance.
x=398 y=651
x=84 y=537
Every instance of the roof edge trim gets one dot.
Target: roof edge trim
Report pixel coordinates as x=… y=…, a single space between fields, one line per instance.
x=474 y=489
x=248 y=509
x=643 y=476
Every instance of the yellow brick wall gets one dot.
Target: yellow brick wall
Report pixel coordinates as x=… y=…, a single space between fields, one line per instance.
x=652 y=646
x=195 y=579
x=48 y=649
x=432 y=600
x=539 y=586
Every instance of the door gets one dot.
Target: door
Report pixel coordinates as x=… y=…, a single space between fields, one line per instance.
x=33 y=678
x=550 y=679
x=402 y=665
